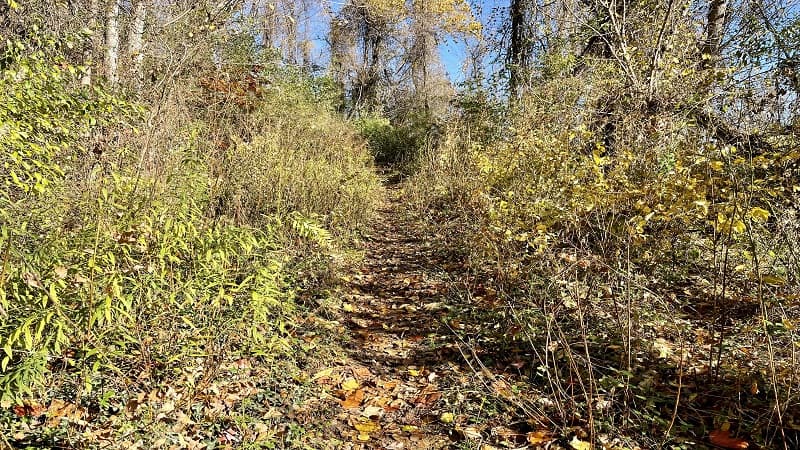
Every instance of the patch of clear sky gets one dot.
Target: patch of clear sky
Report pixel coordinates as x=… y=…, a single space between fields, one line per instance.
x=453 y=51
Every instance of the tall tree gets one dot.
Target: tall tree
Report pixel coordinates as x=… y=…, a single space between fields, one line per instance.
x=136 y=40
x=422 y=54
x=715 y=29
x=112 y=41
x=518 y=46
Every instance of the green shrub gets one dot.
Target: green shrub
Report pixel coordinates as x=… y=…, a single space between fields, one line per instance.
x=96 y=267
x=288 y=153
x=401 y=144
x=112 y=265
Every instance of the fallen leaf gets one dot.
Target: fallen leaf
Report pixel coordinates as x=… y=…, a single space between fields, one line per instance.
x=470 y=432
x=367 y=427
x=362 y=373
x=722 y=438
x=350 y=384
x=61 y=272
x=372 y=411
x=539 y=437
x=29 y=409
x=447 y=417
x=59 y=409
x=353 y=400
x=505 y=433
x=324 y=373
x=388 y=385
x=578 y=444
x=502 y=388
x=32 y=280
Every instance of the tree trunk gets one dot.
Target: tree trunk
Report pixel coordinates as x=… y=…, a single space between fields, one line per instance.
x=715 y=28
x=290 y=50
x=136 y=41
x=93 y=45
x=421 y=54
x=112 y=41
x=517 y=57
x=269 y=29
x=340 y=63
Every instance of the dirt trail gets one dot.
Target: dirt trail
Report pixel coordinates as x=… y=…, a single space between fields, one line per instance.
x=413 y=374
x=405 y=368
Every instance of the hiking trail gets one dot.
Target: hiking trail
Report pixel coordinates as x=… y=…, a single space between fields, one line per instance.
x=408 y=380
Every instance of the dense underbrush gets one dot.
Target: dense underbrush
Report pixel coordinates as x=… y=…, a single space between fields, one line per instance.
x=152 y=252
x=649 y=270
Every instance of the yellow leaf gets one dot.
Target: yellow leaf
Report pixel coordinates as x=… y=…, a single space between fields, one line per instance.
x=598 y=158
x=738 y=226
x=367 y=427
x=716 y=165
x=578 y=444
x=540 y=437
x=773 y=280
x=348 y=307
x=704 y=205
x=759 y=215
x=350 y=384
x=447 y=417
x=322 y=374
x=663 y=348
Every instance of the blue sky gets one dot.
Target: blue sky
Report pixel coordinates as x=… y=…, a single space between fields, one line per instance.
x=453 y=51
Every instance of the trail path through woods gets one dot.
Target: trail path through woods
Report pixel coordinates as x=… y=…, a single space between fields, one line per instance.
x=409 y=381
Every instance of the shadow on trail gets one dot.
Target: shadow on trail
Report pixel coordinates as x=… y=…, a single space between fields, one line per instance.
x=402 y=348
x=420 y=384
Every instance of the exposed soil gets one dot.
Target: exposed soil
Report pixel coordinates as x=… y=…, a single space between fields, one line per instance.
x=410 y=381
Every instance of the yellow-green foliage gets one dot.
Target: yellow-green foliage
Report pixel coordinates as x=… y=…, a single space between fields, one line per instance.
x=119 y=264
x=626 y=236
x=104 y=269
x=553 y=182
x=292 y=154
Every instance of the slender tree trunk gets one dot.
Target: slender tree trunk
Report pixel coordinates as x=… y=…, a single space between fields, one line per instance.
x=717 y=10
x=93 y=45
x=421 y=54
x=112 y=41
x=517 y=57
x=290 y=45
x=269 y=30
x=340 y=49
x=136 y=41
